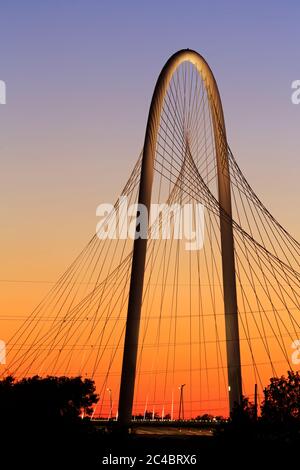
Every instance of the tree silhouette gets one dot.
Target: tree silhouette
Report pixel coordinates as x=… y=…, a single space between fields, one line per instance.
x=47 y=398
x=282 y=399
x=244 y=413
x=206 y=417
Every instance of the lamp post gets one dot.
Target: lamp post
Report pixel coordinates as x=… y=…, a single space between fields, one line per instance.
x=181 y=407
x=110 y=403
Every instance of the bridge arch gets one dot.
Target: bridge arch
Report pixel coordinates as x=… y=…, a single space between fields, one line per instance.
x=227 y=240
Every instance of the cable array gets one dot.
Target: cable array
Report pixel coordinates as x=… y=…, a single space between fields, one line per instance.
x=78 y=328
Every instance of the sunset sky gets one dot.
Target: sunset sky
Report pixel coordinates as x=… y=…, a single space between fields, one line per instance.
x=80 y=76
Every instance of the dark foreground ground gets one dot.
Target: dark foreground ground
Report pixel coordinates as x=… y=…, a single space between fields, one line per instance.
x=85 y=446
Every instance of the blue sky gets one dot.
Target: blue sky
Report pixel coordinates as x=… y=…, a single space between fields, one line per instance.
x=80 y=75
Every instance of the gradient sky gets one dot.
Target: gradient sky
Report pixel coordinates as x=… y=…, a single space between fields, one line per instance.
x=80 y=75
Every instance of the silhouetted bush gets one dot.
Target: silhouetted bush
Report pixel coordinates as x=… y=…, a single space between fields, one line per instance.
x=281 y=403
x=42 y=416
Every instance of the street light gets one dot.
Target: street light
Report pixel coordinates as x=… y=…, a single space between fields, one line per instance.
x=110 y=403
x=181 y=408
